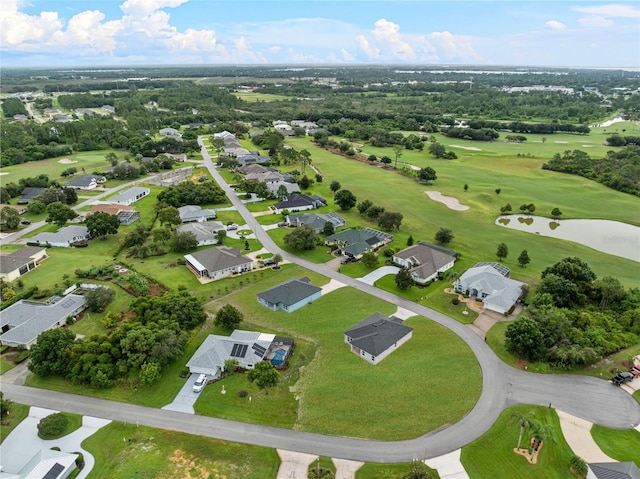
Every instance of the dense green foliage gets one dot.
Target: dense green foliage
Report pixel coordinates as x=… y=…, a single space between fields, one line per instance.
x=619 y=170
x=228 y=317
x=574 y=318
x=13 y=106
x=52 y=426
x=189 y=193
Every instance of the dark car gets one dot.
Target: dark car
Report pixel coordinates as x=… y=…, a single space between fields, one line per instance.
x=622 y=378
x=25 y=222
x=346 y=259
x=282 y=225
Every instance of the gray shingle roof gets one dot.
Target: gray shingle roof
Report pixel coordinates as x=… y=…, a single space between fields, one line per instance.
x=202 y=231
x=17 y=259
x=615 y=470
x=215 y=349
x=290 y=292
x=426 y=260
x=501 y=292
x=193 y=212
x=297 y=201
x=67 y=234
x=85 y=180
x=220 y=257
x=377 y=333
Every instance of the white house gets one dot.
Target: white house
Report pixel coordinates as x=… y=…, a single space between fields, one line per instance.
x=130 y=196
x=218 y=262
x=205 y=233
x=191 y=213
x=14 y=265
x=63 y=238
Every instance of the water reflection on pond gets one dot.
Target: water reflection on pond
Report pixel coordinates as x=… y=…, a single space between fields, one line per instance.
x=612 y=237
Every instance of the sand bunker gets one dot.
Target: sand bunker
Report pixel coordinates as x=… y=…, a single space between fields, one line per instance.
x=449 y=201
x=4 y=173
x=67 y=161
x=562 y=142
x=470 y=148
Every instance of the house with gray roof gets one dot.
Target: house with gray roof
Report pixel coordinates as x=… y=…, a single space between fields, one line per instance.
x=18 y=263
x=299 y=203
x=613 y=470
x=169 y=132
x=22 y=322
x=29 y=193
x=191 y=213
x=85 y=182
x=253 y=158
x=290 y=188
x=130 y=196
x=488 y=282
x=425 y=261
x=63 y=238
x=205 y=233
x=356 y=242
x=290 y=295
x=218 y=262
x=246 y=347
x=315 y=220
x=374 y=338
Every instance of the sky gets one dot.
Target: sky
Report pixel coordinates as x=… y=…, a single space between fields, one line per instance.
x=480 y=32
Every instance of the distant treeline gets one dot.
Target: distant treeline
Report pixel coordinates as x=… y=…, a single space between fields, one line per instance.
x=618 y=140
x=522 y=127
x=619 y=170
x=84 y=100
x=480 y=134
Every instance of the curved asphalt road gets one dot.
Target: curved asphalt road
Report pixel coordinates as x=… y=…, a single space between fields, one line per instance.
x=590 y=398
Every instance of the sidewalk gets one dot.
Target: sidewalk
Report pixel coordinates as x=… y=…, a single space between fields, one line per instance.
x=577 y=432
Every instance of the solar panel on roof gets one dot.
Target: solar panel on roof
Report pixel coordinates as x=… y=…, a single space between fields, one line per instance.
x=54 y=472
x=259 y=350
x=67 y=303
x=239 y=350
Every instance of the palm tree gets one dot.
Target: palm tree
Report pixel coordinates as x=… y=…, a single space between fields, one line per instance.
x=541 y=432
x=525 y=421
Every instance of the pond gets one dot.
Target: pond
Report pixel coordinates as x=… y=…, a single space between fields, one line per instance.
x=612 y=237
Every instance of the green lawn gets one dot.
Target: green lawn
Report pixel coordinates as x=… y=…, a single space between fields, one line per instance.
x=388 y=471
x=621 y=445
x=491 y=455
x=125 y=451
x=521 y=181
x=332 y=386
x=17 y=414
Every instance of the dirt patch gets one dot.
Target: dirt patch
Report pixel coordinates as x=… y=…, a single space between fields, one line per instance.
x=66 y=161
x=186 y=467
x=449 y=201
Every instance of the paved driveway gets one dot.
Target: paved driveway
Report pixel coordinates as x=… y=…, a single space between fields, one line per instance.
x=186 y=398
x=374 y=276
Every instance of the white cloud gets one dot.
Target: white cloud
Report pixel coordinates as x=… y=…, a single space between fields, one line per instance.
x=555 y=25
x=275 y=49
x=454 y=46
x=611 y=10
x=346 y=56
x=595 y=21
x=387 y=32
x=194 y=40
x=19 y=30
x=366 y=47
x=142 y=8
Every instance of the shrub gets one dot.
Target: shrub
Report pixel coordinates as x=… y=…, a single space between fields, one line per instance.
x=242 y=393
x=455 y=301
x=579 y=465
x=388 y=252
x=52 y=426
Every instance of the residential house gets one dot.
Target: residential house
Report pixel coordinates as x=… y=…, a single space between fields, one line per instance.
x=125 y=213
x=61 y=118
x=489 y=283
x=63 y=238
x=290 y=295
x=19 y=208
x=205 y=233
x=613 y=470
x=253 y=158
x=255 y=133
x=356 y=242
x=29 y=193
x=425 y=261
x=269 y=177
x=235 y=151
x=85 y=111
x=18 y=263
x=246 y=347
x=85 y=182
x=377 y=336
x=169 y=132
x=275 y=188
x=253 y=169
x=109 y=108
x=226 y=136
x=22 y=322
x=30 y=463
x=316 y=220
x=130 y=196
x=218 y=262
x=191 y=213
x=299 y=203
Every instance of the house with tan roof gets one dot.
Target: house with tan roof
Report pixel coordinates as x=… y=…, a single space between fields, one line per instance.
x=18 y=263
x=425 y=261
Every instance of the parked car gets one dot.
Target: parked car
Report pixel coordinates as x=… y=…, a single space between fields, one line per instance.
x=282 y=225
x=232 y=227
x=635 y=372
x=25 y=222
x=622 y=378
x=346 y=259
x=200 y=383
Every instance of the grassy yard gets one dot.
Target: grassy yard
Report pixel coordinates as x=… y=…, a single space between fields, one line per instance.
x=157 y=454
x=521 y=181
x=492 y=454
x=332 y=386
x=17 y=414
x=621 y=445
x=388 y=471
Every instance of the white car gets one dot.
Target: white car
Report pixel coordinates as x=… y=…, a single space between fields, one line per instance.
x=200 y=383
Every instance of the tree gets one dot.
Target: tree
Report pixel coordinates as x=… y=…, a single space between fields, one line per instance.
x=531 y=208
x=403 y=279
x=49 y=355
x=149 y=373
x=523 y=259
x=370 y=259
x=524 y=208
x=10 y=217
x=498 y=191
x=363 y=206
x=228 y=317
x=302 y=238
x=502 y=252
x=50 y=427
x=36 y=207
x=524 y=339
x=410 y=240
x=506 y=209
x=397 y=151
x=184 y=241
x=230 y=366
x=5 y=406
x=418 y=471
x=264 y=374
x=169 y=216
x=59 y=213
x=386 y=160
x=524 y=421
x=334 y=186
x=221 y=236
x=304 y=183
x=444 y=236
x=466 y=187
x=610 y=291
x=112 y=158
x=99 y=298
x=328 y=229
x=389 y=220
x=556 y=213
x=277 y=259
x=282 y=191
x=427 y=174
x=345 y=199
x=437 y=149
x=102 y=224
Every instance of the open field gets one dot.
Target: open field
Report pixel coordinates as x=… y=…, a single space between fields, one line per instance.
x=156 y=453
x=521 y=181
x=619 y=445
x=250 y=96
x=492 y=454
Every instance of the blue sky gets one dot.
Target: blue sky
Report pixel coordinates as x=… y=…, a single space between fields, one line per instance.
x=138 y=32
